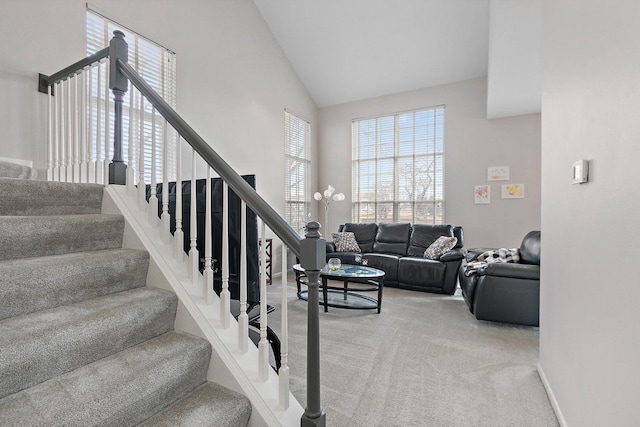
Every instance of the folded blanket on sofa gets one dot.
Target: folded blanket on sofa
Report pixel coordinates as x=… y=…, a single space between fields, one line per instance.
x=489 y=257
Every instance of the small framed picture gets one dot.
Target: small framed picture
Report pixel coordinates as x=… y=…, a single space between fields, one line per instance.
x=482 y=195
x=513 y=191
x=498 y=173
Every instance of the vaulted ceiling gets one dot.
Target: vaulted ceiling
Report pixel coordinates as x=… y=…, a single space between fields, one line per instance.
x=348 y=50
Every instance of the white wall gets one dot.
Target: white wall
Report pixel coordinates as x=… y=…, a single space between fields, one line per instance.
x=589 y=326
x=514 y=69
x=234 y=81
x=472 y=143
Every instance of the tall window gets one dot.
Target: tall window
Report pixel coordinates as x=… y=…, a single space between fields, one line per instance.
x=398 y=167
x=296 y=174
x=158 y=67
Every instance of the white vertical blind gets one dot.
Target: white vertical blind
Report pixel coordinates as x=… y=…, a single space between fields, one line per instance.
x=157 y=65
x=398 y=167
x=296 y=174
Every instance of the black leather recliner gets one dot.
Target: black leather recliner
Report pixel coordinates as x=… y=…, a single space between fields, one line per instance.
x=506 y=292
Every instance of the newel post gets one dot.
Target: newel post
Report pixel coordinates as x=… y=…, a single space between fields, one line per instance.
x=313 y=258
x=118 y=83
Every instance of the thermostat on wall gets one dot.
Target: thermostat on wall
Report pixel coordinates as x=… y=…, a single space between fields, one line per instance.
x=580 y=172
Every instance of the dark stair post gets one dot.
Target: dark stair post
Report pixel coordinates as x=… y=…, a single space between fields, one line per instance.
x=118 y=83
x=312 y=258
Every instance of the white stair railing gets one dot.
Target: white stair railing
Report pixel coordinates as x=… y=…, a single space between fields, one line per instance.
x=75 y=135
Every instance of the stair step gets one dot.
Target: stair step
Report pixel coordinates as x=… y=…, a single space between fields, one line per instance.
x=28 y=197
x=121 y=390
x=39 y=346
x=32 y=284
x=208 y=402
x=30 y=236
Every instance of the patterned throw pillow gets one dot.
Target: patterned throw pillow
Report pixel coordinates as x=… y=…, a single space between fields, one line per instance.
x=345 y=242
x=440 y=246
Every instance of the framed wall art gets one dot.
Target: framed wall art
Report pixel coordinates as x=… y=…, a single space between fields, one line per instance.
x=498 y=173
x=513 y=191
x=482 y=195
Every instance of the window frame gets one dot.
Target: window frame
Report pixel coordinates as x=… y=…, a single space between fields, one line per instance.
x=382 y=165
x=302 y=159
x=162 y=79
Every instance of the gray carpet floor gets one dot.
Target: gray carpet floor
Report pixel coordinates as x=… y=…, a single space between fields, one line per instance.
x=423 y=361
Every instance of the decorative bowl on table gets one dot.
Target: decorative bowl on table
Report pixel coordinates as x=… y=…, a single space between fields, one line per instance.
x=334 y=264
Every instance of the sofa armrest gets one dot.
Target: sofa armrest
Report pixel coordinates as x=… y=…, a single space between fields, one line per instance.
x=452 y=255
x=331 y=247
x=511 y=270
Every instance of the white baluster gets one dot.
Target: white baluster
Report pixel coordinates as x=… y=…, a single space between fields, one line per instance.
x=69 y=131
x=153 y=199
x=263 y=346
x=165 y=218
x=243 y=319
x=225 y=296
x=56 y=132
x=178 y=234
x=107 y=127
x=207 y=274
x=194 y=262
x=99 y=158
x=142 y=186
x=84 y=151
x=63 y=134
x=283 y=372
x=91 y=170
x=76 y=129
x=50 y=159
x=131 y=172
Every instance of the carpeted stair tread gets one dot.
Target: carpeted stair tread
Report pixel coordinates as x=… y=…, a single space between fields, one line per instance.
x=30 y=236
x=208 y=402
x=31 y=284
x=41 y=345
x=121 y=390
x=28 y=197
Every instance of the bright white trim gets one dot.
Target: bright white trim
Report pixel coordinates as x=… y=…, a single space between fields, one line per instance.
x=242 y=367
x=21 y=162
x=551 y=396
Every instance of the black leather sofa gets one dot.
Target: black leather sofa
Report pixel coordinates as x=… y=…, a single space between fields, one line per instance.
x=398 y=250
x=506 y=292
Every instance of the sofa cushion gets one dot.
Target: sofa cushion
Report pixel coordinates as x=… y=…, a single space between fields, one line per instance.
x=385 y=262
x=345 y=242
x=423 y=235
x=440 y=246
x=365 y=234
x=421 y=272
x=392 y=239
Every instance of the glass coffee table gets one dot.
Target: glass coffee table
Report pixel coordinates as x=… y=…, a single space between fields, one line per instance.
x=355 y=280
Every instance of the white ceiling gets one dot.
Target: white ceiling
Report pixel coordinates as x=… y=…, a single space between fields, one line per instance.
x=348 y=50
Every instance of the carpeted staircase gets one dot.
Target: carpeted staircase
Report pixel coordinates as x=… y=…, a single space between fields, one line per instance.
x=83 y=341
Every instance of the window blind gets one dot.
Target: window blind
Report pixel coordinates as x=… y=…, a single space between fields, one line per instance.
x=398 y=167
x=297 y=163
x=157 y=65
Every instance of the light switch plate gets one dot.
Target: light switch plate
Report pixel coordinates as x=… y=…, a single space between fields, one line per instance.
x=580 y=172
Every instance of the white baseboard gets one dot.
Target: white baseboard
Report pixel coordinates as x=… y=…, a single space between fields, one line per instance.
x=552 y=398
x=21 y=162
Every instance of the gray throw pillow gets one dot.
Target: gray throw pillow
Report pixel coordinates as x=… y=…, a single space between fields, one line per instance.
x=440 y=246
x=345 y=242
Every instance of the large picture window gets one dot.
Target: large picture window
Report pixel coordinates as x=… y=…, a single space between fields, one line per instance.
x=158 y=67
x=398 y=167
x=297 y=163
